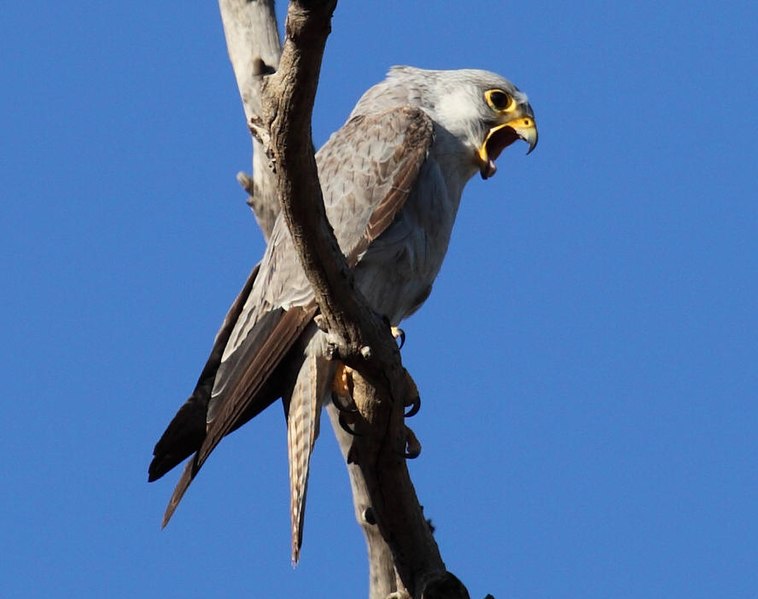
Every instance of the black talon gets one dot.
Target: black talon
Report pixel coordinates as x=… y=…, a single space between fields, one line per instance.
x=412 y=445
x=343 y=408
x=401 y=336
x=346 y=427
x=415 y=407
x=412 y=454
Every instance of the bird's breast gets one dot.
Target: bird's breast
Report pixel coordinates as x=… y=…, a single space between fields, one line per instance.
x=397 y=271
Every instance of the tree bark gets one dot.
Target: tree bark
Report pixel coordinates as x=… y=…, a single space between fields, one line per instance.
x=252 y=40
x=254 y=48
x=405 y=560
x=381 y=569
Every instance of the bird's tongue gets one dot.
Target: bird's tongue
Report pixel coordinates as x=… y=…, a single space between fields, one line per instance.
x=488 y=169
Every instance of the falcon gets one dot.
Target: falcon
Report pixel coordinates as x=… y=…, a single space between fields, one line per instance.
x=392 y=179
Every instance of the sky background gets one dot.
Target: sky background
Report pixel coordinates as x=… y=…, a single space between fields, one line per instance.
x=587 y=360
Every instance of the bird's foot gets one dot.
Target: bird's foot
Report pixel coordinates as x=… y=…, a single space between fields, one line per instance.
x=342 y=389
x=342 y=397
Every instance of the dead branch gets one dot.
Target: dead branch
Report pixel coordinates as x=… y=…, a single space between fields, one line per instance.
x=383 y=492
x=252 y=40
x=251 y=32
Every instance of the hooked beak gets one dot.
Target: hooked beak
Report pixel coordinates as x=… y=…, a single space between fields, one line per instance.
x=502 y=136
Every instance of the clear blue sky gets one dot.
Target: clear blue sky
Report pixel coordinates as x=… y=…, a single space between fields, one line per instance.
x=587 y=359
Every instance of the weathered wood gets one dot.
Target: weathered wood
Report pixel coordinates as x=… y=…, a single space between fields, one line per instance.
x=252 y=40
x=405 y=560
x=251 y=32
x=380 y=562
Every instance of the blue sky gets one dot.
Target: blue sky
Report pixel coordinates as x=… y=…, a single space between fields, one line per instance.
x=587 y=359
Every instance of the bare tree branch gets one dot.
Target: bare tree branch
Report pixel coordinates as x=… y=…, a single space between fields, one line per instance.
x=252 y=39
x=383 y=492
x=381 y=570
x=382 y=387
x=252 y=33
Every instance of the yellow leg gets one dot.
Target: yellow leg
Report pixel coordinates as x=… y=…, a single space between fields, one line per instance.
x=342 y=383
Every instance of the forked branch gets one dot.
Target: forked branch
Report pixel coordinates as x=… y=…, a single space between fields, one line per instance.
x=392 y=517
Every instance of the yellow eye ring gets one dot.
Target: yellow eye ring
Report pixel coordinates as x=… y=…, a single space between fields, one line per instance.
x=499 y=100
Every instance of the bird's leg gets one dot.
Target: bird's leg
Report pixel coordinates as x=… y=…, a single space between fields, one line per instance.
x=342 y=389
x=342 y=397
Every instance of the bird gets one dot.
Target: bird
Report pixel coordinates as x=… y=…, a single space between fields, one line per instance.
x=392 y=178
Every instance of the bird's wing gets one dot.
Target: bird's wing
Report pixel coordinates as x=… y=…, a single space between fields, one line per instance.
x=245 y=400
x=367 y=170
x=186 y=430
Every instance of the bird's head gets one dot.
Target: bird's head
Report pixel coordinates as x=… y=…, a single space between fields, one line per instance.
x=513 y=120
x=485 y=111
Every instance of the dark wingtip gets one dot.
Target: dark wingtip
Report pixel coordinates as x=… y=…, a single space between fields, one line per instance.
x=183 y=436
x=153 y=472
x=164 y=463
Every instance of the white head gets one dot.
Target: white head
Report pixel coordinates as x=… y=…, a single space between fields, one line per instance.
x=482 y=110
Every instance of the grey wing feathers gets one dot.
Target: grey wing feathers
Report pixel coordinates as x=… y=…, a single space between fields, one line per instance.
x=243 y=397
x=367 y=170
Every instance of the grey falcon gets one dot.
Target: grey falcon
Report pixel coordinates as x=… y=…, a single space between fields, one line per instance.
x=392 y=179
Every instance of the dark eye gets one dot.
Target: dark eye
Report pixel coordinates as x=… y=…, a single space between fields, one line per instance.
x=499 y=100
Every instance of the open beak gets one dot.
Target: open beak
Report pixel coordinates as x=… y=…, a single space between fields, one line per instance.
x=502 y=136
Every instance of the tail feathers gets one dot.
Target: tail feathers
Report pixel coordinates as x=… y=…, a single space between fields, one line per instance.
x=263 y=399
x=302 y=429
x=249 y=389
x=188 y=475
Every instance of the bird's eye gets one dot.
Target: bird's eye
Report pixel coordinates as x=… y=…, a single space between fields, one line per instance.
x=499 y=100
